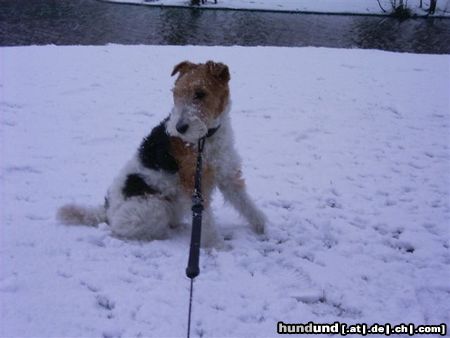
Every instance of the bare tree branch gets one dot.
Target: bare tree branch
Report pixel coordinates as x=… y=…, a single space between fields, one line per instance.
x=384 y=11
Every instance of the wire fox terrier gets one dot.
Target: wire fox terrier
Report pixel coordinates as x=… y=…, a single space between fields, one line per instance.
x=153 y=191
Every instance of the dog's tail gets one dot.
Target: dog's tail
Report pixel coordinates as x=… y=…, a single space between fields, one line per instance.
x=74 y=214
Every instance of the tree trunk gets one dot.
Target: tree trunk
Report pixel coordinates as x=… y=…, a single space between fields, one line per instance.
x=432 y=6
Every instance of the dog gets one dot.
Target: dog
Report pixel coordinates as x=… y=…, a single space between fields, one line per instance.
x=152 y=193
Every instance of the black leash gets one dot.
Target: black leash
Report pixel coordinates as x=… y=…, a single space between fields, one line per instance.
x=193 y=269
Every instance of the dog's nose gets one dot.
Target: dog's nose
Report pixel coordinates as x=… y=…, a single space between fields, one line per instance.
x=182 y=127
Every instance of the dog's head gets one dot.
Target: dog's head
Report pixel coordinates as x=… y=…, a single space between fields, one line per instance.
x=200 y=95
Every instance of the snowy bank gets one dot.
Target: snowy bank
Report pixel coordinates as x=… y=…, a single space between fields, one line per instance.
x=363 y=7
x=347 y=151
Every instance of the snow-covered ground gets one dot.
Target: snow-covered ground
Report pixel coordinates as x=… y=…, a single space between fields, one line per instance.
x=316 y=6
x=347 y=151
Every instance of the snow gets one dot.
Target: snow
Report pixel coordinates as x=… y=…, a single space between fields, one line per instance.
x=347 y=151
x=312 y=6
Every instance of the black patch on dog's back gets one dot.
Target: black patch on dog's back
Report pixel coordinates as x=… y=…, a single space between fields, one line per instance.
x=154 y=151
x=136 y=186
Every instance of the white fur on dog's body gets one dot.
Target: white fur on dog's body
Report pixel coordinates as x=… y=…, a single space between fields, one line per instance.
x=131 y=217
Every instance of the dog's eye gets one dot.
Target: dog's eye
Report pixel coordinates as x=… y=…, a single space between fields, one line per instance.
x=199 y=95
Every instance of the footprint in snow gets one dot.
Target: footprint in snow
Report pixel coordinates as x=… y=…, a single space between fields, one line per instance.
x=396 y=233
x=105 y=302
x=8 y=123
x=381 y=228
x=111 y=334
x=90 y=286
x=22 y=169
x=9 y=285
x=432 y=229
x=10 y=105
x=64 y=274
x=333 y=203
x=402 y=246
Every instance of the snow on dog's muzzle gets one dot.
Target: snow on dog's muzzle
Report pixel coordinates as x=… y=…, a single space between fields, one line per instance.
x=186 y=125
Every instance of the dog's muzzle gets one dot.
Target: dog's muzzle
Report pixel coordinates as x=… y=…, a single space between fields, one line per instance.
x=184 y=123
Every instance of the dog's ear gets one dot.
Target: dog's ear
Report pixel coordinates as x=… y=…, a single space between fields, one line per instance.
x=219 y=70
x=182 y=67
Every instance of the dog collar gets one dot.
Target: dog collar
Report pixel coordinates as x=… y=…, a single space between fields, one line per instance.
x=212 y=131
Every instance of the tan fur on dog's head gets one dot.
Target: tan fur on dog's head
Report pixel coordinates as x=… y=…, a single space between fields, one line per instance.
x=202 y=85
x=201 y=94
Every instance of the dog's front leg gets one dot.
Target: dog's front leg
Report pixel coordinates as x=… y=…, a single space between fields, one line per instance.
x=234 y=191
x=210 y=235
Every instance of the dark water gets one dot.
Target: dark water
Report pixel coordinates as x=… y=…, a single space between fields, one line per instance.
x=91 y=22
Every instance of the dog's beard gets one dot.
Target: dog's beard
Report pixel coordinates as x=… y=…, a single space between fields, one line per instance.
x=196 y=130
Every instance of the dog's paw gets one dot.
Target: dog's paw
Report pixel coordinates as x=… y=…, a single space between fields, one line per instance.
x=258 y=222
